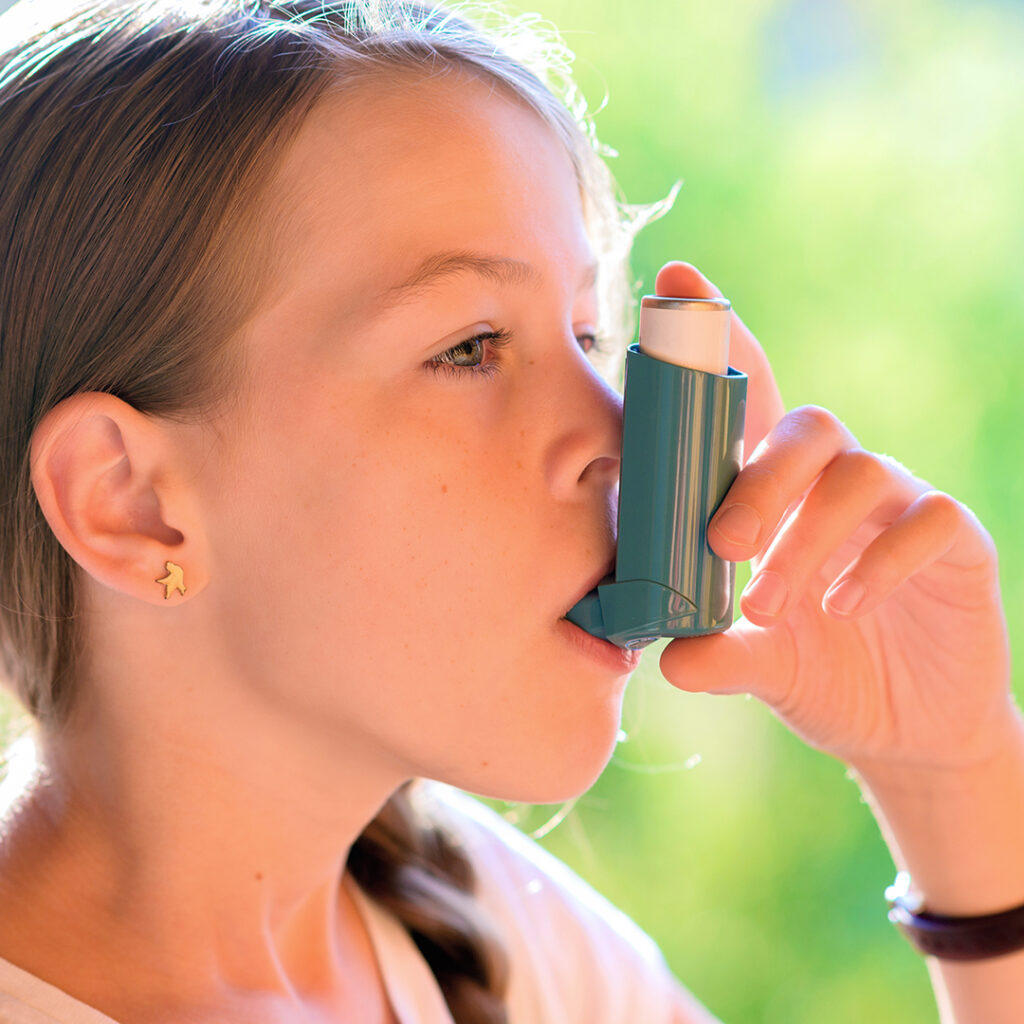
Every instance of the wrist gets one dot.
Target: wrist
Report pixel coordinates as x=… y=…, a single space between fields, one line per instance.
x=958 y=832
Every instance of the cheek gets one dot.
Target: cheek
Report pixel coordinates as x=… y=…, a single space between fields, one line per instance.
x=380 y=521
x=390 y=588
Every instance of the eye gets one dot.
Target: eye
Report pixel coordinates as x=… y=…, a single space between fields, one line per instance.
x=468 y=357
x=480 y=353
x=467 y=353
x=593 y=343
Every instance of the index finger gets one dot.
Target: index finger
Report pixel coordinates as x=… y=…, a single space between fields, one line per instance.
x=764 y=403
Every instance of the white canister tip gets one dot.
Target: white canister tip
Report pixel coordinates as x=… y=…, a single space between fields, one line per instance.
x=688 y=332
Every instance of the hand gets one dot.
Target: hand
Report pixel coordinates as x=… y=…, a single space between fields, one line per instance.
x=873 y=625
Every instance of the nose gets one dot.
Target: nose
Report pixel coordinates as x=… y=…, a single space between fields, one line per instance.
x=585 y=452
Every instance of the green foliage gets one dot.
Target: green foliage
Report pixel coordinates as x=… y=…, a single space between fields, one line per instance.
x=854 y=182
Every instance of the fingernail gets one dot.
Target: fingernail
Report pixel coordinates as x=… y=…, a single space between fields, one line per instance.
x=739 y=524
x=766 y=593
x=845 y=597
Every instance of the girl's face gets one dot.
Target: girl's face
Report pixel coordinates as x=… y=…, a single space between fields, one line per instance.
x=427 y=483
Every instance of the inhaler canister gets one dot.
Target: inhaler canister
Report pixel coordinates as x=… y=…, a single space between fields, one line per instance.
x=682 y=446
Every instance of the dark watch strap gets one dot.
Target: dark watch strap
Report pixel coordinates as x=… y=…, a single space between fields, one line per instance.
x=954 y=938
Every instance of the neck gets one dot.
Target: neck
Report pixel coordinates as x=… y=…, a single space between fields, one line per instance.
x=207 y=866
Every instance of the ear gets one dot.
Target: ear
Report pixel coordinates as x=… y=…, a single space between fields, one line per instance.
x=113 y=486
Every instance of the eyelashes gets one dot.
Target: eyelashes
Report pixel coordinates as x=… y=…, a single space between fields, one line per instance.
x=479 y=347
x=480 y=354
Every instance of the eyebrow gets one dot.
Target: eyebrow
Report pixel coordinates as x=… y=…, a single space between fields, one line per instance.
x=440 y=266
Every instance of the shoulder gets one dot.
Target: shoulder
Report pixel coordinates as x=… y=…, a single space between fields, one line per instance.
x=574 y=955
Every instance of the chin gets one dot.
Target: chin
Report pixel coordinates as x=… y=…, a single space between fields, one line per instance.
x=545 y=776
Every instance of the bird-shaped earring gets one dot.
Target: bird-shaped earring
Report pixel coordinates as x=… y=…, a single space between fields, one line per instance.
x=174 y=580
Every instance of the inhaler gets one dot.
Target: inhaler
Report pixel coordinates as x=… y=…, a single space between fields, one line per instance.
x=682 y=447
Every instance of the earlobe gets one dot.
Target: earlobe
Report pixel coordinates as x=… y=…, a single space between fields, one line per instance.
x=108 y=482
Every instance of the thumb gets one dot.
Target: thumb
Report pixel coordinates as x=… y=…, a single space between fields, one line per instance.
x=744 y=659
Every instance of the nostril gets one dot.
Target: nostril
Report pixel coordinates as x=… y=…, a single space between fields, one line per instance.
x=585 y=443
x=605 y=468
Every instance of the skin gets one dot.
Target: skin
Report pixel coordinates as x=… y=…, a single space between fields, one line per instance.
x=910 y=686
x=376 y=558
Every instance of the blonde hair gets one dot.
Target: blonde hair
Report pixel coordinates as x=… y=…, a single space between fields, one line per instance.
x=133 y=140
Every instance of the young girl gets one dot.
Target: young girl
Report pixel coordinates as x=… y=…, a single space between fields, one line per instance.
x=304 y=461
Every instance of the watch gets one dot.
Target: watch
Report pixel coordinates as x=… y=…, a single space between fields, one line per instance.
x=953 y=938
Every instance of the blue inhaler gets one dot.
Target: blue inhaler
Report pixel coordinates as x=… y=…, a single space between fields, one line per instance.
x=682 y=446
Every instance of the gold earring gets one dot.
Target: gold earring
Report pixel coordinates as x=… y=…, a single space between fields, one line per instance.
x=174 y=580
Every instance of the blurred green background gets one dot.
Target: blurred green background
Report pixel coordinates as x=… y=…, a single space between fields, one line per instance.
x=854 y=183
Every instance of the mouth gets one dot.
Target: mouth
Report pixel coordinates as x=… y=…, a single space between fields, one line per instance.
x=619 y=659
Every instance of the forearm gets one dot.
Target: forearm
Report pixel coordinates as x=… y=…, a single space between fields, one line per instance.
x=960 y=835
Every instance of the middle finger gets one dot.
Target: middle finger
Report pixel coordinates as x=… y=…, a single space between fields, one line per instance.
x=854 y=486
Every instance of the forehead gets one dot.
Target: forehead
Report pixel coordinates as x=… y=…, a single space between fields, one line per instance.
x=379 y=175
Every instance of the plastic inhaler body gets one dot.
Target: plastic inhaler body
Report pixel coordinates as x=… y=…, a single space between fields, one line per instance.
x=682 y=446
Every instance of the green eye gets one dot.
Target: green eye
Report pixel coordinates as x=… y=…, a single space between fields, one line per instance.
x=470 y=357
x=467 y=353
x=481 y=353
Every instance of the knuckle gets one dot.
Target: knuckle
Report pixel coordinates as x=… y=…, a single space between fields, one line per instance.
x=976 y=524
x=818 y=419
x=943 y=507
x=954 y=518
x=868 y=469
